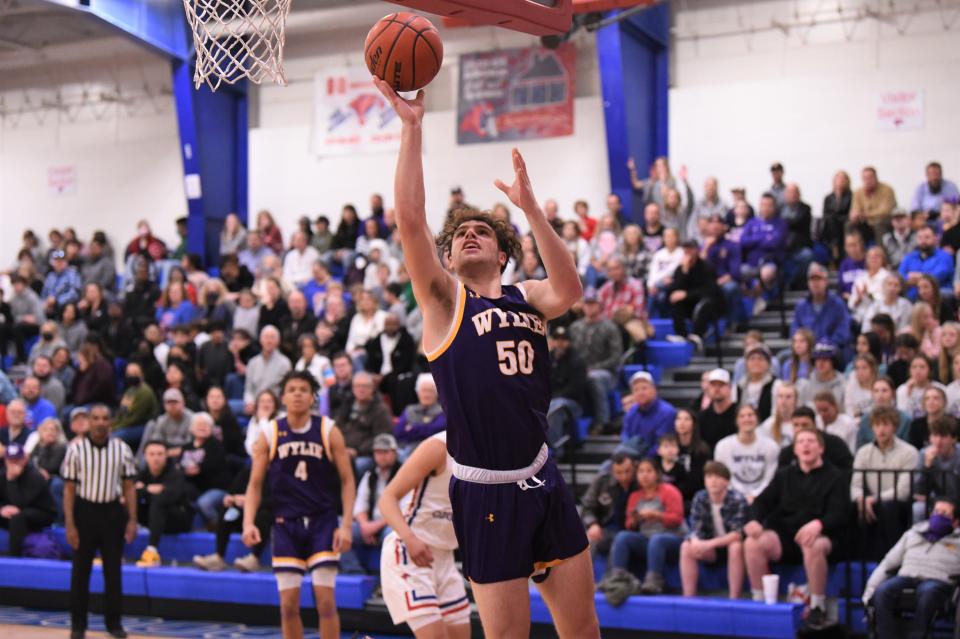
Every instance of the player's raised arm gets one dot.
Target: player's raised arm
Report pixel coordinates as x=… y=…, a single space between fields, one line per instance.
x=429 y=457
x=554 y=295
x=433 y=286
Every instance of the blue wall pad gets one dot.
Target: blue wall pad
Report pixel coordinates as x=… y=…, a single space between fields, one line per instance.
x=716 y=617
x=52 y=574
x=180 y=583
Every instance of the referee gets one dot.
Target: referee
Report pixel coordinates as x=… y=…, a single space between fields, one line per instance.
x=95 y=470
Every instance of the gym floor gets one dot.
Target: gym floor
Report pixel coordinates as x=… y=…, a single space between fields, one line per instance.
x=24 y=623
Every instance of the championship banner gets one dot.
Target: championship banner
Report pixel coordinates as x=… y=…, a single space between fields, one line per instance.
x=350 y=115
x=516 y=94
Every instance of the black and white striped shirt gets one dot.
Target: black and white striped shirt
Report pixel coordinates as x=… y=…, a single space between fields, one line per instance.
x=98 y=470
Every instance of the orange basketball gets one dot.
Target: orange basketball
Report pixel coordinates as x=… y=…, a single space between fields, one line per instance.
x=405 y=50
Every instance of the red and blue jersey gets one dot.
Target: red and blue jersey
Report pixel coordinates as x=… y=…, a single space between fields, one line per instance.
x=303 y=476
x=493 y=378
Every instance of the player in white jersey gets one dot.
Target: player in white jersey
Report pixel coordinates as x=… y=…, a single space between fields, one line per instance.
x=420 y=581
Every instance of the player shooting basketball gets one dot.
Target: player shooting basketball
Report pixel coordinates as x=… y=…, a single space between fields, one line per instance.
x=513 y=515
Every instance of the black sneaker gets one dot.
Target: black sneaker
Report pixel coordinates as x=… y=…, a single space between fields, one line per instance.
x=77 y=633
x=117 y=632
x=817 y=619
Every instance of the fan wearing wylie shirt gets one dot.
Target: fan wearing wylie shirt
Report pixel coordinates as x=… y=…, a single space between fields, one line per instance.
x=421 y=584
x=513 y=515
x=751 y=458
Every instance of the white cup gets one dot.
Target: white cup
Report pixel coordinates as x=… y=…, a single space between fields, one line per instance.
x=771 y=588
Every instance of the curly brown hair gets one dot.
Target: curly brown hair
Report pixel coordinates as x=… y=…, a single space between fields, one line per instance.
x=507 y=240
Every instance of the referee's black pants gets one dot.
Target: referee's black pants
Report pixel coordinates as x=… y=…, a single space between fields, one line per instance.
x=100 y=527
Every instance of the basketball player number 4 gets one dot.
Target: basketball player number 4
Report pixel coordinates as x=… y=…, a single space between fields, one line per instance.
x=515 y=357
x=301 y=471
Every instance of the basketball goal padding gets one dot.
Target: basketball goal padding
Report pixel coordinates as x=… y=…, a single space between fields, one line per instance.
x=536 y=17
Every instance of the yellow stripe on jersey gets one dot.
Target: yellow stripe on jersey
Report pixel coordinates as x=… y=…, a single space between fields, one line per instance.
x=325 y=425
x=273 y=441
x=543 y=565
x=461 y=302
x=289 y=562
x=323 y=555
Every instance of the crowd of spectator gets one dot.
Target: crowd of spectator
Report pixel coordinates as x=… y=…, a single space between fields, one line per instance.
x=856 y=420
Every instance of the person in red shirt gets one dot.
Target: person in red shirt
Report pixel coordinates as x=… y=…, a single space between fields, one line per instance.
x=623 y=300
x=270 y=232
x=587 y=224
x=654 y=529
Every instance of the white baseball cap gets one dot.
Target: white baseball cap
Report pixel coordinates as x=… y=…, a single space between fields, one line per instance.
x=641 y=376
x=719 y=375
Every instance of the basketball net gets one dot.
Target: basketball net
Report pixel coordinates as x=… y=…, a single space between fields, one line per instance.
x=237 y=39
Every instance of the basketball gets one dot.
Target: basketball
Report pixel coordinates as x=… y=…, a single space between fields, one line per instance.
x=405 y=50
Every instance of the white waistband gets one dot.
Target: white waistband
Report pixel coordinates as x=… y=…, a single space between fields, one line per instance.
x=484 y=476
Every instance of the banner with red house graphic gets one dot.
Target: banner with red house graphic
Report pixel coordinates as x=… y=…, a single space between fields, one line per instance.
x=350 y=115
x=516 y=94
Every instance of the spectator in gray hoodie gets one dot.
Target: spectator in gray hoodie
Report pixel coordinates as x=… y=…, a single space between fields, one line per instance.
x=172 y=427
x=925 y=558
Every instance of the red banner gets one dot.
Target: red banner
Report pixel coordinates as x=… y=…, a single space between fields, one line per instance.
x=516 y=94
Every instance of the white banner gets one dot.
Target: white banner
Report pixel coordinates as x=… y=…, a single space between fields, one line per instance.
x=350 y=115
x=899 y=110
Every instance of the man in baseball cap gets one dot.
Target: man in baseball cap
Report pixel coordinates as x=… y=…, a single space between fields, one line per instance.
x=369 y=527
x=648 y=418
x=172 y=427
x=26 y=504
x=719 y=419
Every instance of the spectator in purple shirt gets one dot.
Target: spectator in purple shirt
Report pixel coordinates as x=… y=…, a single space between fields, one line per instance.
x=724 y=256
x=762 y=244
x=421 y=420
x=930 y=194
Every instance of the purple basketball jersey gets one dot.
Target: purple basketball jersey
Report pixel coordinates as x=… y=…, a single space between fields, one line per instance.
x=493 y=378
x=303 y=477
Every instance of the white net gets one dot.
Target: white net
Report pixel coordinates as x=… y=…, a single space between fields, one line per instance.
x=238 y=39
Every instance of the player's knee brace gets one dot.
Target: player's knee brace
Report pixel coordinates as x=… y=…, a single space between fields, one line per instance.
x=324 y=576
x=288 y=580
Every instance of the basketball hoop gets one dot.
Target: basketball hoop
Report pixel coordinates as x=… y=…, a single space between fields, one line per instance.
x=237 y=39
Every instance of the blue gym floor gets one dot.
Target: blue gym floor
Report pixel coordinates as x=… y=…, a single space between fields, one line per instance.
x=58 y=620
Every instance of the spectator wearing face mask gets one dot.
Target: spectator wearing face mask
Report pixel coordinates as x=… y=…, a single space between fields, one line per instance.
x=25 y=501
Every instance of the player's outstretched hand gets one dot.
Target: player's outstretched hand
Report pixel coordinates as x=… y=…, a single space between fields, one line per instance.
x=409 y=111
x=521 y=191
x=251 y=536
x=342 y=540
x=419 y=552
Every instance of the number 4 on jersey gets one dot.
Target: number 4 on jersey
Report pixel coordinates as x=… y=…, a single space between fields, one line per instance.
x=301 y=471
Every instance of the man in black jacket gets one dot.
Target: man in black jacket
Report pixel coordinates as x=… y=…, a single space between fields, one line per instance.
x=301 y=321
x=26 y=504
x=140 y=301
x=162 y=502
x=604 y=505
x=694 y=282
x=799 y=516
x=390 y=356
x=568 y=379
x=835 y=450
x=796 y=214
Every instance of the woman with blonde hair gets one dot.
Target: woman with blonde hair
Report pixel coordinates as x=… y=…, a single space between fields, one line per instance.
x=869 y=285
x=233 y=236
x=949 y=349
x=800 y=363
x=779 y=426
x=926 y=328
x=214 y=306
